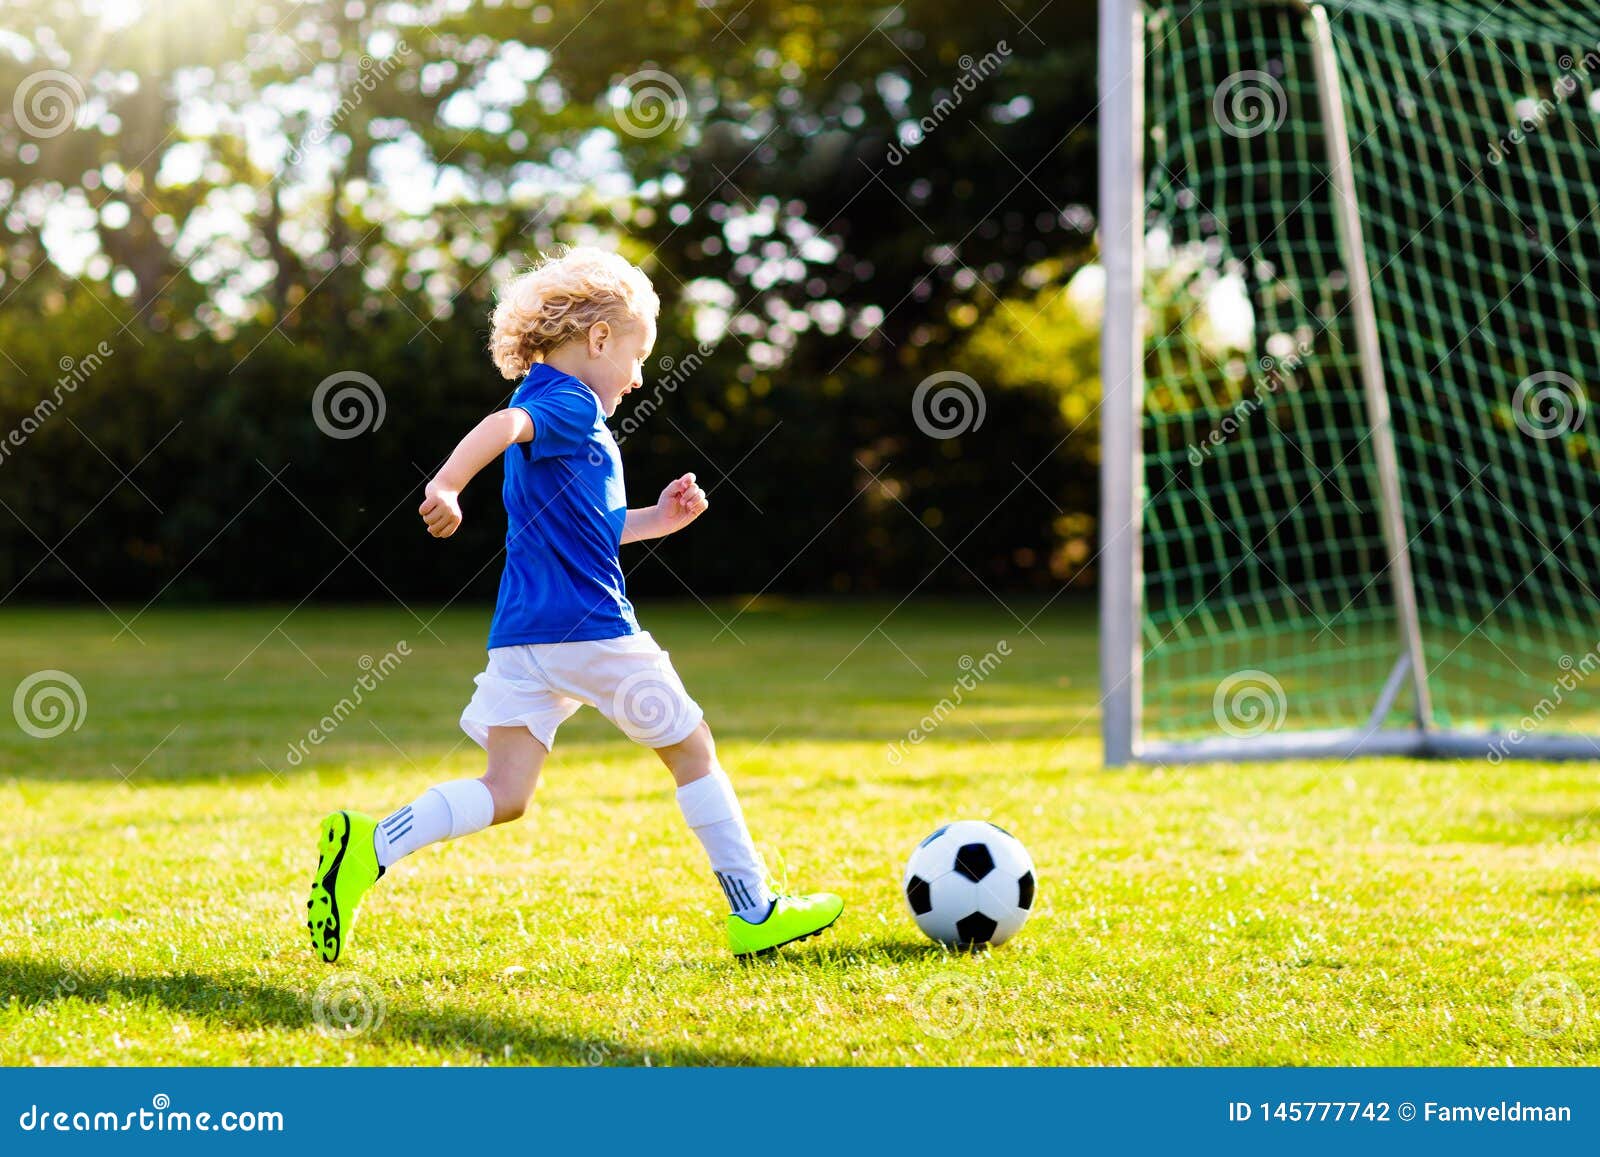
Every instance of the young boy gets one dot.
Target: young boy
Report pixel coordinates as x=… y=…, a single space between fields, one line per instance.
x=576 y=330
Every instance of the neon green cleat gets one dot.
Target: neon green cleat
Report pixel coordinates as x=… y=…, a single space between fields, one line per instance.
x=792 y=918
x=347 y=868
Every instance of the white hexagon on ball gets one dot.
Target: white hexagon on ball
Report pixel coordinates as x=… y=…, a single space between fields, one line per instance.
x=970 y=885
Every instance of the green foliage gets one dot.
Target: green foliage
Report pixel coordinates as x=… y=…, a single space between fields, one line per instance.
x=793 y=203
x=1045 y=339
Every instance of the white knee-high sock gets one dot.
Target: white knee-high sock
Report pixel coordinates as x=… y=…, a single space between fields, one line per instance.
x=712 y=811
x=445 y=812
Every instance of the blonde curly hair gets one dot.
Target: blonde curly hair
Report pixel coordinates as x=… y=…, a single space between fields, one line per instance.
x=559 y=299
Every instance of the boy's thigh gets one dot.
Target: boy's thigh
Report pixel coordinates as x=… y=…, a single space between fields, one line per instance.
x=630 y=680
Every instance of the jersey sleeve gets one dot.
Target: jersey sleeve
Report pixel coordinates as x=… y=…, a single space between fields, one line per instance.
x=563 y=418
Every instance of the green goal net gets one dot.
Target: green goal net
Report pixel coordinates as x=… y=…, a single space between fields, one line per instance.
x=1274 y=598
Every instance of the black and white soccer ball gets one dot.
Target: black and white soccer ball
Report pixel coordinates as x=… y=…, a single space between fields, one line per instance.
x=970 y=884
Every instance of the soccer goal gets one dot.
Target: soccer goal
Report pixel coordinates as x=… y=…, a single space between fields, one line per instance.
x=1350 y=476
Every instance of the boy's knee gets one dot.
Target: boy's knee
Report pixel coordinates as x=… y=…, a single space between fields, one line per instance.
x=506 y=810
x=510 y=800
x=699 y=741
x=696 y=747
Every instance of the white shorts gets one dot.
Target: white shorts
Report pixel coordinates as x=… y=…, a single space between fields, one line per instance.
x=539 y=686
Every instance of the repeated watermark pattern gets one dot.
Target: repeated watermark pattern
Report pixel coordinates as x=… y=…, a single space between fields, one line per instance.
x=1574 y=674
x=370 y=74
x=74 y=372
x=945 y=405
x=947 y=1005
x=374 y=672
x=1274 y=375
x=974 y=71
x=1549 y=1004
x=673 y=375
x=347 y=1005
x=49 y=703
x=1549 y=404
x=650 y=705
x=650 y=102
x=348 y=404
x=948 y=404
x=47 y=103
x=67 y=985
x=1249 y=703
x=974 y=672
x=1249 y=103
x=1533 y=115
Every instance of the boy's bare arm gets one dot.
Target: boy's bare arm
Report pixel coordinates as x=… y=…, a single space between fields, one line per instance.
x=441 y=506
x=680 y=504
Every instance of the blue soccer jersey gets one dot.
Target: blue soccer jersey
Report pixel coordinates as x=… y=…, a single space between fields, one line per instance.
x=565 y=509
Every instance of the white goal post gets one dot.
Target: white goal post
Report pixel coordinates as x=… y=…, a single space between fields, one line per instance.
x=1303 y=576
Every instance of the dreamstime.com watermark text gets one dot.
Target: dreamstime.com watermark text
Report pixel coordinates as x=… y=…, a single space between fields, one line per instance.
x=1532 y=115
x=374 y=673
x=974 y=71
x=974 y=672
x=74 y=372
x=1574 y=674
x=159 y=1117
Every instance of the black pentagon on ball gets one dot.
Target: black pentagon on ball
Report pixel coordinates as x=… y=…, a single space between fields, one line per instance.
x=975 y=930
x=974 y=861
x=920 y=896
x=1025 y=891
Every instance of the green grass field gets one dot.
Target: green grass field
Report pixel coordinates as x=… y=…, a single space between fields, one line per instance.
x=153 y=865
